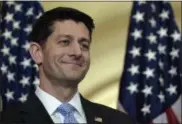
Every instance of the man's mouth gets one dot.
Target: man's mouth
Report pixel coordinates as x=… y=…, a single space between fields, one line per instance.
x=74 y=63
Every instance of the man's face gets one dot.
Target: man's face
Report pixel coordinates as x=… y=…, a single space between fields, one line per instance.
x=66 y=54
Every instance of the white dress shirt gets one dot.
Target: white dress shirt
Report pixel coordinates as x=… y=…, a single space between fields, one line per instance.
x=51 y=104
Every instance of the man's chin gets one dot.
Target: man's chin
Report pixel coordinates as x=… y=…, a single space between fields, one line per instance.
x=73 y=81
x=75 y=77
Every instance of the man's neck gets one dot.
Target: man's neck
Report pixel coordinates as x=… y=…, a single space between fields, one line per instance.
x=63 y=94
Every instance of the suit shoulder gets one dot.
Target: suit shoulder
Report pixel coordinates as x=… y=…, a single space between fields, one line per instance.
x=11 y=113
x=115 y=115
x=12 y=108
x=107 y=109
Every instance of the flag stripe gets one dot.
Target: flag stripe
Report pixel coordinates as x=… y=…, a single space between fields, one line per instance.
x=171 y=117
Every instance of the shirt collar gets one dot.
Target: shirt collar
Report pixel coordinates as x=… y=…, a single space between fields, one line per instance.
x=76 y=102
x=51 y=103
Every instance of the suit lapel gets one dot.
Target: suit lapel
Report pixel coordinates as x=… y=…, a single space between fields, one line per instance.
x=34 y=111
x=90 y=112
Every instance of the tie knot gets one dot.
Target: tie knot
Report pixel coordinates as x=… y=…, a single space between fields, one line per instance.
x=66 y=108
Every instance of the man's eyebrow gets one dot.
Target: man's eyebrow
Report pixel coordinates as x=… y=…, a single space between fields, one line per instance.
x=65 y=35
x=82 y=39
x=85 y=40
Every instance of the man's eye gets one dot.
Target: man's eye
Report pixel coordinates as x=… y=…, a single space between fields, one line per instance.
x=65 y=42
x=85 y=46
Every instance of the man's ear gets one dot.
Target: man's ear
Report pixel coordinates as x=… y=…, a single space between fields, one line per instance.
x=36 y=52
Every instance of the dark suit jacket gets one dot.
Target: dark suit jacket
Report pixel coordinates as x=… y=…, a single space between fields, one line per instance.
x=33 y=112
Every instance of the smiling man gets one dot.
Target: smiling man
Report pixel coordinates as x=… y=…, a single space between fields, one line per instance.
x=60 y=45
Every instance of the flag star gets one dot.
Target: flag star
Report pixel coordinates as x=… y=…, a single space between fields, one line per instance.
x=150 y=55
x=135 y=51
x=10 y=3
x=36 y=67
x=152 y=38
x=28 y=29
x=10 y=76
x=161 y=65
x=12 y=59
x=25 y=81
x=7 y=34
x=153 y=7
x=162 y=49
x=29 y=12
x=146 y=109
x=5 y=50
x=172 y=89
x=4 y=69
x=161 y=97
x=174 y=53
x=36 y=82
x=40 y=13
x=141 y=2
x=16 y=25
x=148 y=72
x=161 y=81
x=23 y=98
x=152 y=22
x=162 y=32
x=26 y=63
x=173 y=71
x=9 y=17
x=18 y=8
x=164 y=15
x=14 y=41
x=9 y=95
x=176 y=36
x=147 y=90
x=134 y=69
x=137 y=34
x=26 y=46
x=139 y=16
x=132 y=88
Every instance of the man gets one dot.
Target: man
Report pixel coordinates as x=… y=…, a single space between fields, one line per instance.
x=60 y=45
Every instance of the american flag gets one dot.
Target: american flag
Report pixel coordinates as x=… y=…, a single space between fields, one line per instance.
x=18 y=71
x=150 y=83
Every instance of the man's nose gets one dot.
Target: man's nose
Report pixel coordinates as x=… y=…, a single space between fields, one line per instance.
x=75 y=50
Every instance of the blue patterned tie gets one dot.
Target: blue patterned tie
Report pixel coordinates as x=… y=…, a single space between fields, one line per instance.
x=67 y=111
